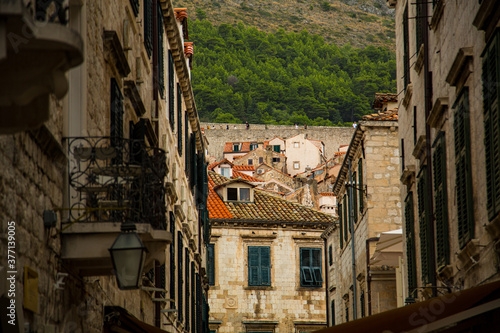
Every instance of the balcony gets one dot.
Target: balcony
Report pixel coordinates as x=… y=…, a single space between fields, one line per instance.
x=113 y=180
x=36 y=51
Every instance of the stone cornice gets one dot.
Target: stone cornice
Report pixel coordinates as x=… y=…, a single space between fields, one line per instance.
x=181 y=68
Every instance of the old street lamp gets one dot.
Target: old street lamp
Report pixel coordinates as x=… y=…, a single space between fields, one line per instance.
x=127 y=255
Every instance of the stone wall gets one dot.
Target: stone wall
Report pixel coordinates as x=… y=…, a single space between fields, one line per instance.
x=285 y=302
x=218 y=135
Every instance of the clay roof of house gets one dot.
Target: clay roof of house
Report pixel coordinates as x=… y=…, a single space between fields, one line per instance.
x=339 y=153
x=383 y=116
x=244 y=176
x=381 y=98
x=326 y=194
x=225 y=160
x=181 y=16
x=245 y=147
x=263 y=164
x=244 y=168
x=265 y=208
x=216 y=207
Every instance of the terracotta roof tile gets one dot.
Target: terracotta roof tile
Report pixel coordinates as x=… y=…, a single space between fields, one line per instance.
x=244 y=168
x=216 y=207
x=327 y=194
x=264 y=208
x=242 y=175
x=228 y=147
x=381 y=98
x=383 y=116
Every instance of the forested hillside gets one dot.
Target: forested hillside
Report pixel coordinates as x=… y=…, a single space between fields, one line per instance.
x=242 y=74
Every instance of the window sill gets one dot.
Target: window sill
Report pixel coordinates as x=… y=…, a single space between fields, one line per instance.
x=408 y=94
x=321 y=288
x=259 y=288
x=469 y=255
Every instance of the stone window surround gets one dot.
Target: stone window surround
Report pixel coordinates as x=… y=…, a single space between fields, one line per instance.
x=310 y=242
x=296 y=165
x=258 y=240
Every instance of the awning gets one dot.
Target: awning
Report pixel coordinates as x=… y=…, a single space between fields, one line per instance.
x=119 y=320
x=388 y=249
x=476 y=309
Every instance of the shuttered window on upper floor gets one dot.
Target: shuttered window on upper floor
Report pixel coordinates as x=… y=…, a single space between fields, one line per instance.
x=211 y=264
x=179 y=119
x=360 y=187
x=424 y=220
x=463 y=177
x=161 y=54
x=441 y=201
x=310 y=267
x=259 y=266
x=410 y=244
x=148 y=26
x=171 y=93
x=341 y=225
x=406 y=52
x=491 y=91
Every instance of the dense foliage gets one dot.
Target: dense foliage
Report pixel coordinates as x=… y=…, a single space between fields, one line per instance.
x=242 y=74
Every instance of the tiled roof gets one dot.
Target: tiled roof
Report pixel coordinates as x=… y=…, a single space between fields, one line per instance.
x=381 y=98
x=242 y=175
x=228 y=147
x=383 y=116
x=245 y=147
x=244 y=168
x=327 y=194
x=225 y=160
x=264 y=208
x=216 y=207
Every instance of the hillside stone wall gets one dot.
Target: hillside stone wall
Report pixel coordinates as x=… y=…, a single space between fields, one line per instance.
x=218 y=135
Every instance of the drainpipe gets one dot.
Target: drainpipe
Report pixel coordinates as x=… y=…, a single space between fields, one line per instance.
x=428 y=107
x=351 y=225
x=368 y=275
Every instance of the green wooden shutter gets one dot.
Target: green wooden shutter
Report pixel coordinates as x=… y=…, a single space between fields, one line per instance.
x=316 y=267
x=362 y=303
x=441 y=201
x=310 y=267
x=360 y=186
x=354 y=193
x=330 y=255
x=341 y=235
x=180 y=279
x=179 y=120
x=172 y=258
x=161 y=67
x=463 y=182
x=491 y=91
x=265 y=266
x=193 y=181
x=148 y=26
x=306 y=273
x=171 y=93
x=410 y=243
x=277 y=148
x=211 y=264
x=424 y=225
x=406 y=53
x=253 y=266
x=346 y=220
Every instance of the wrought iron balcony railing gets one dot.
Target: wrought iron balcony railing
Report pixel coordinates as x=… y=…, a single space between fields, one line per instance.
x=116 y=180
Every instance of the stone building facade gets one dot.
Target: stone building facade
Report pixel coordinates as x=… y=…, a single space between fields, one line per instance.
x=368 y=203
x=218 y=135
x=266 y=261
x=448 y=127
x=122 y=145
x=263 y=155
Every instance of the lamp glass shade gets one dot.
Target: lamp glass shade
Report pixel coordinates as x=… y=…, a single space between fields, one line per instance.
x=127 y=255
